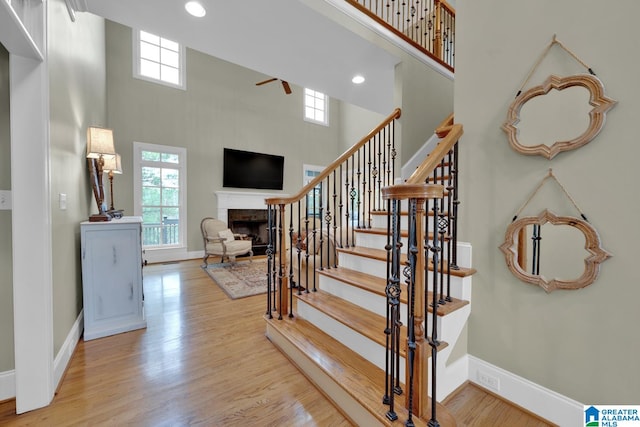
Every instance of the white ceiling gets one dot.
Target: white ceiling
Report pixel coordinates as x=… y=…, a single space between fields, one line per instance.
x=282 y=38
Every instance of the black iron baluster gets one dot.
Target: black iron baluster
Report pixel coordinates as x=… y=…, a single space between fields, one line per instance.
x=347 y=195
x=359 y=193
x=340 y=207
x=392 y=292
x=333 y=218
x=411 y=289
x=327 y=218
x=280 y=236
x=291 y=282
x=442 y=228
x=449 y=188
x=369 y=207
x=353 y=193
x=269 y=259
x=433 y=340
x=298 y=242
x=394 y=153
x=387 y=360
x=453 y=171
x=315 y=232
x=374 y=174
x=306 y=250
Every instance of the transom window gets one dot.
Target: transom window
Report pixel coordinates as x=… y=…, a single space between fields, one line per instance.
x=160 y=181
x=316 y=107
x=158 y=59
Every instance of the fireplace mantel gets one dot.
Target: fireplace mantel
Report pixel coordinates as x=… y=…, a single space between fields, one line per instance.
x=241 y=200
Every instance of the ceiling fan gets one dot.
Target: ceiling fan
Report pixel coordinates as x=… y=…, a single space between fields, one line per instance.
x=285 y=85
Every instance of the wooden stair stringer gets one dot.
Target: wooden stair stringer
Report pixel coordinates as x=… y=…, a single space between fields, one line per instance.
x=350 y=381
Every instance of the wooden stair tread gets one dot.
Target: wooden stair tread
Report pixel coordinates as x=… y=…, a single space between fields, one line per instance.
x=381 y=255
x=377 y=285
x=357 y=376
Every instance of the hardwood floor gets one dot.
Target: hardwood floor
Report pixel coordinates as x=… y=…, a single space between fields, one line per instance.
x=204 y=360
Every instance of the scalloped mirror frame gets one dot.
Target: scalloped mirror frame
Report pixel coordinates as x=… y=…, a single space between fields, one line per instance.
x=592 y=246
x=597 y=115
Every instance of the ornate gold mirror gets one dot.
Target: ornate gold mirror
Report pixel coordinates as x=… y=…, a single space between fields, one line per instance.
x=594 y=123
x=563 y=247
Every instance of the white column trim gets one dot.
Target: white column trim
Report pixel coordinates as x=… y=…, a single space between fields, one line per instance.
x=31 y=228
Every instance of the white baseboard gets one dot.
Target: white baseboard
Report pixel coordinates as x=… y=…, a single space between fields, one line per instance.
x=7 y=385
x=153 y=256
x=63 y=357
x=8 y=378
x=541 y=401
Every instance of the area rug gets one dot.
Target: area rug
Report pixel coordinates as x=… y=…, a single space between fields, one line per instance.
x=240 y=279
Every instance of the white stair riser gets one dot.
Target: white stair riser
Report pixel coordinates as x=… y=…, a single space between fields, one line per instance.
x=368 y=300
x=449 y=328
x=460 y=286
x=365 y=347
x=366 y=265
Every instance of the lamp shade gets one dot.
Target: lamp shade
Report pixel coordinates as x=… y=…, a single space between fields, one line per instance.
x=112 y=164
x=100 y=143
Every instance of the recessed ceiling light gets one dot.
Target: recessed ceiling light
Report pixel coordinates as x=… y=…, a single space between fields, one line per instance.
x=358 y=79
x=195 y=8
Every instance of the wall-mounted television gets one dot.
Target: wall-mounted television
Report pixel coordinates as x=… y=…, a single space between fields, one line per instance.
x=246 y=169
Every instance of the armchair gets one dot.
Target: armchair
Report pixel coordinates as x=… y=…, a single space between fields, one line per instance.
x=220 y=241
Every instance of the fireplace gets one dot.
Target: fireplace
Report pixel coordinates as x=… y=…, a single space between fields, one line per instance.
x=230 y=201
x=253 y=223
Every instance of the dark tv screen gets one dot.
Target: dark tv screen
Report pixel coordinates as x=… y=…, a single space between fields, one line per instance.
x=245 y=169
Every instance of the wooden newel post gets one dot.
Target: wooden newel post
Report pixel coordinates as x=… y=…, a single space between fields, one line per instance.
x=437 y=43
x=421 y=370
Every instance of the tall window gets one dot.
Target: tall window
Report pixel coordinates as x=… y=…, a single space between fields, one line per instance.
x=316 y=107
x=160 y=194
x=313 y=200
x=158 y=59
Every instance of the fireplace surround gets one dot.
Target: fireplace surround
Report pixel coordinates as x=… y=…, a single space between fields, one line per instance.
x=246 y=212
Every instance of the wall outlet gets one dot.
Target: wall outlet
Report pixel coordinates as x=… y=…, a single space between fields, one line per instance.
x=5 y=200
x=488 y=381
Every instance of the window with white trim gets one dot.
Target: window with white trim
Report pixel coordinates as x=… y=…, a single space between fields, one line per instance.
x=160 y=185
x=158 y=60
x=316 y=107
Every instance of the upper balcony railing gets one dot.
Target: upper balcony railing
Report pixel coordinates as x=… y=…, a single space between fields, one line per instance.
x=428 y=25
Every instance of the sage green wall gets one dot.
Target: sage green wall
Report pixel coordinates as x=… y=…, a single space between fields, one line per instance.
x=77 y=101
x=221 y=107
x=6 y=260
x=426 y=99
x=355 y=124
x=582 y=344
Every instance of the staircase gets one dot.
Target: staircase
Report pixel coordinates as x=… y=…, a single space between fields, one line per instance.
x=340 y=330
x=335 y=337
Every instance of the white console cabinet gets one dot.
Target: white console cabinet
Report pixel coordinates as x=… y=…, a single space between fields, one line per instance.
x=112 y=277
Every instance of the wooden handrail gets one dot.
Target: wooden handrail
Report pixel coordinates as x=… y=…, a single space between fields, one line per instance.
x=334 y=165
x=437 y=53
x=435 y=157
